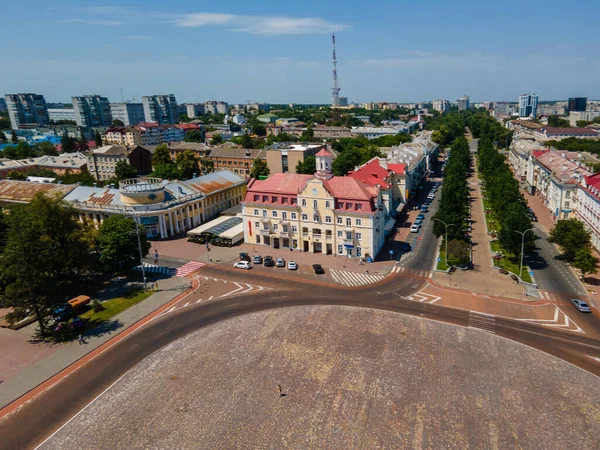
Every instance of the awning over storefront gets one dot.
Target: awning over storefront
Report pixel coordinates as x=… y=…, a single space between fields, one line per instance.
x=389 y=225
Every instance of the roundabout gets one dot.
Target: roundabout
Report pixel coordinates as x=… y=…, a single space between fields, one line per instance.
x=352 y=377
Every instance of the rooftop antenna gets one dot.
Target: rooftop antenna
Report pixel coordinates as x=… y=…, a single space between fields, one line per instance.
x=335 y=101
x=122 y=100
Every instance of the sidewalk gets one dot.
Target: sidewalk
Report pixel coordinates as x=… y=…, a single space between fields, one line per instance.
x=22 y=381
x=483 y=278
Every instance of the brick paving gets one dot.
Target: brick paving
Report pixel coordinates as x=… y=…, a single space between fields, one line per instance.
x=353 y=378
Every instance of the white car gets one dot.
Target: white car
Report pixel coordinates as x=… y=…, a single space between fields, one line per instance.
x=415 y=228
x=431 y=196
x=242 y=265
x=292 y=265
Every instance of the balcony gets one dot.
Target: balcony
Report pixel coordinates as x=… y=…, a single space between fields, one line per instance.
x=349 y=228
x=348 y=241
x=284 y=234
x=265 y=232
x=265 y=220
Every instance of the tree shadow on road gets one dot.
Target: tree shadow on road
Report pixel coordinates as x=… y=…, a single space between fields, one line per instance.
x=100 y=328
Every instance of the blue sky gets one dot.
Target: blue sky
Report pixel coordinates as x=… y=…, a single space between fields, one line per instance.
x=279 y=51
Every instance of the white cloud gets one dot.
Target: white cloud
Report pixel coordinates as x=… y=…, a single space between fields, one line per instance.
x=268 y=25
x=138 y=37
x=105 y=23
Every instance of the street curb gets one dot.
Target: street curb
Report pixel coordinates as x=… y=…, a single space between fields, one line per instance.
x=38 y=390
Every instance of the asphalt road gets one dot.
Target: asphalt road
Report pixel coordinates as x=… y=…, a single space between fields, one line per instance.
x=35 y=421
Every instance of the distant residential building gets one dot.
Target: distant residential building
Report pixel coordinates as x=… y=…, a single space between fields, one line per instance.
x=215 y=107
x=26 y=110
x=2 y=105
x=92 y=111
x=171 y=133
x=59 y=115
x=161 y=109
x=128 y=113
x=343 y=101
x=576 y=116
x=375 y=132
x=325 y=132
x=556 y=109
x=199 y=149
x=257 y=107
x=441 y=105
x=528 y=105
x=504 y=108
x=66 y=162
x=577 y=104
x=588 y=206
x=464 y=103
x=238 y=160
x=268 y=118
x=194 y=110
x=282 y=157
x=239 y=119
x=370 y=106
x=102 y=161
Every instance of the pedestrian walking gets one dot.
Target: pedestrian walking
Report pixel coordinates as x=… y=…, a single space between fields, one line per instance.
x=80 y=339
x=280 y=390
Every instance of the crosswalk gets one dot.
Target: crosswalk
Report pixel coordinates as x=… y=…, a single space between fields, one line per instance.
x=412 y=272
x=482 y=321
x=152 y=268
x=188 y=268
x=354 y=278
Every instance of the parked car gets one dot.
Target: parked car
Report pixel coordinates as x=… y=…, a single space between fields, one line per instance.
x=257 y=259
x=431 y=195
x=292 y=265
x=418 y=221
x=581 y=305
x=268 y=261
x=242 y=265
x=244 y=257
x=424 y=208
x=280 y=262
x=318 y=269
x=421 y=216
x=405 y=247
x=415 y=228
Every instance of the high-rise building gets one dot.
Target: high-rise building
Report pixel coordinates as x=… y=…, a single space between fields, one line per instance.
x=215 y=107
x=528 y=105
x=441 y=105
x=463 y=103
x=343 y=101
x=577 y=104
x=128 y=113
x=61 y=114
x=92 y=111
x=194 y=110
x=26 y=109
x=2 y=105
x=161 y=109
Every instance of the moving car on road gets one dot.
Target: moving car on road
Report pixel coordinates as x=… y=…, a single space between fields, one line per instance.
x=581 y=305
x=415 y=228
x=318 y=269
x=280 y=262
x=242 y=265
x=292 y=265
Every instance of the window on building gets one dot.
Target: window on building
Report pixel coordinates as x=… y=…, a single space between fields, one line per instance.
x=348 y=205
x=284 y=200
x=285 y=228
x=358 y=251
x=340 y=205
x=358 y=236
x=567 y=204
x=359 y=206
x=348 y=222
x=264 y=213
x=317 y=231
x=275 y=226
x=349 y=235
x=340 y=234
x=274 y=213
x=294 y=229
x=256 y=212
x=304 y=216
x=284 y=215
x=339 y=221
x=315 y=204
x=327 y=219
x=303 y=202
x=293 y=216
x=327 y=204
x=256 y=225
x=315 y=218
x=274 y=199
x=294 y=201
x=358 y=222
x=568 y=194
x=257 y=198
x=340 y=249
x=265 y=198
x=304 y=229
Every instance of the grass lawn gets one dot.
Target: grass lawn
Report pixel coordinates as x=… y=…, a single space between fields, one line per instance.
x=441 y=265
x=508 y=264
x=116 y=305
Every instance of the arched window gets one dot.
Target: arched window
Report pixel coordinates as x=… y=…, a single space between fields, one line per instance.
x=327 y=204
x=315 y=204
x=303 y=202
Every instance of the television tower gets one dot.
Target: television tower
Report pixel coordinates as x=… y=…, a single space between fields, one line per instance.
x=335 y=100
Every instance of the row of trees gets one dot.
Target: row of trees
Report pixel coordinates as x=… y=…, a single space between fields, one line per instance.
x=576 y=245
x=23 y=150
x=576 y=145
x=505 y=199
x=47 y=255
x=448 y=127
x=483 y=126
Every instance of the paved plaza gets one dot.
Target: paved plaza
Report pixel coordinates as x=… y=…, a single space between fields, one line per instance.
x=351 y=378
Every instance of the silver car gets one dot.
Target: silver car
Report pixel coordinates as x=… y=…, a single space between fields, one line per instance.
x=280 y=262
x=581 y=305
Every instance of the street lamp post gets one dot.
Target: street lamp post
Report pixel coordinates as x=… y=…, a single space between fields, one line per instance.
x=522 y=233
x=446 y=225
x=137 y=229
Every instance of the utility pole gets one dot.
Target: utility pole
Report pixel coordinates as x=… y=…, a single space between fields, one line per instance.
x=446 y=225
x=522 y=233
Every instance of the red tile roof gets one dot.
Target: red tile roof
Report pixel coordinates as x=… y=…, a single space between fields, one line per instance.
x=537 y=153
x=281 y=183
x=349 y=188
x=324 y=152
x=399 y=169
x=555 y=130
x=189 y=126
x=373 y=174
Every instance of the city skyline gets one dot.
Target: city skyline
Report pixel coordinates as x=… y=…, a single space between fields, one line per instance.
x=443 y=51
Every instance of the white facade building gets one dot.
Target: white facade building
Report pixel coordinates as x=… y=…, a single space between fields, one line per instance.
x=528 y=105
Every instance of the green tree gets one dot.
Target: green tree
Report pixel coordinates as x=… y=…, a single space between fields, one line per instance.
x=16 y=175
x=46 y=253
x=572 y=236
x=347 y=161
x=308 y=166
x=167 y=172
x=259 y=168
x=216 y=140
x=161 y=156
x=69 y=144
x=13 y=137
x=459 y=252
x=124 y=170
x=98 y=139
x=308 y=135
x=187 y=163
x=83 y=178
x=555 y=121
x=516 y=219
x=118 y=243
x=194 y=136
x=3 y=233
x=207 y=165
x=82 y=144
x=118 y=123
x=585 y=261
x=46 y=148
